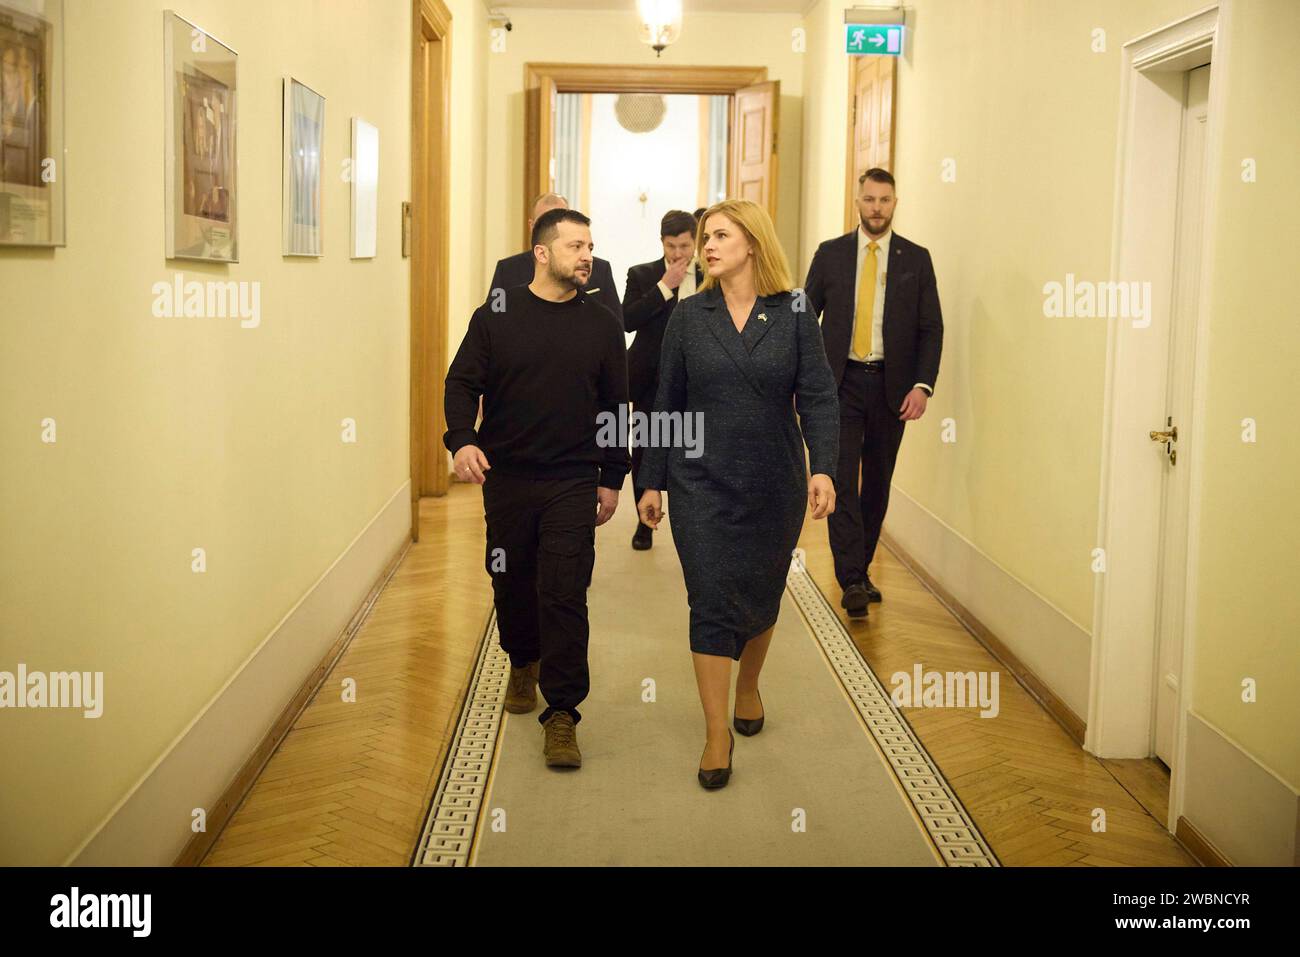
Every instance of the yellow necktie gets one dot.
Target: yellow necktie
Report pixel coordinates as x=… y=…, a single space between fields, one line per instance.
x=866 y=303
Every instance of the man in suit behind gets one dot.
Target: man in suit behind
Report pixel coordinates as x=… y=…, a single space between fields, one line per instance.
x=652 y=292
x=517 y=270
x=883 y=331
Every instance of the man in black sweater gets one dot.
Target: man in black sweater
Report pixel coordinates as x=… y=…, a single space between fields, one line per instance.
x=549 y=365
x=517 y=270
x=652 y=292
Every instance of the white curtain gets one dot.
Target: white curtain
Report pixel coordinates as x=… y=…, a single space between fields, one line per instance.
x=568 y=147
x=719 y=107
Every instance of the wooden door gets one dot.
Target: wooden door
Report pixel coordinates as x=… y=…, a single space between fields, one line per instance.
x=539 y=140
x=872 y=83
x=430 y=202
x=753 y=144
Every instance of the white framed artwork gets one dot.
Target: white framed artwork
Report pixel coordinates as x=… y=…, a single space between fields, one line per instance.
x=304 y=159
x=365 y=188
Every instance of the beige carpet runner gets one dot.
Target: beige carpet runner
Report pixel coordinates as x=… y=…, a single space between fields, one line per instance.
x=836 y=777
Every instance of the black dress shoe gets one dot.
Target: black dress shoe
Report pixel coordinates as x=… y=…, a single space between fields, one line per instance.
x=644 y=537
x=718 y=777
x=749 y=726
x=873 y=593
x=855 y=600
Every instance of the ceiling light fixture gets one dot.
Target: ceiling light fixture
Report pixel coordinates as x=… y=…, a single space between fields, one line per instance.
x=661 y=22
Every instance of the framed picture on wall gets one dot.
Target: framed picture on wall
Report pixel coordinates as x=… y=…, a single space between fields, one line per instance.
x=304 y=155
x=365 y=188
x=31 y=123
x=200 y=164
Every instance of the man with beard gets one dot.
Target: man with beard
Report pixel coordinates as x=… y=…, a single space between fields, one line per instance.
x=517 y=270
x=883 y=331
x=546 y=365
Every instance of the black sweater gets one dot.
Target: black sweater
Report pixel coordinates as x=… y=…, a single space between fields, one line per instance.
x=545 y=371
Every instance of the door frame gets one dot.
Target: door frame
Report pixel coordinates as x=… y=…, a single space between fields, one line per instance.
x=430 y=239
x=545 y=78
x=1121 y=691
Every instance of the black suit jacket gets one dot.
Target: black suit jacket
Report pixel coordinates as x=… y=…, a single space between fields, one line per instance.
x=912 y=326
x=517 y=270
x=646 y=312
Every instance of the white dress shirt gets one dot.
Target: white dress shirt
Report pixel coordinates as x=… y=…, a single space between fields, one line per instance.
x=685 y=288
x=878 y=305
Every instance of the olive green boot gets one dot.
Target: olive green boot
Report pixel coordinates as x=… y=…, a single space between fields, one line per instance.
x=561 y=746
x=521 y=693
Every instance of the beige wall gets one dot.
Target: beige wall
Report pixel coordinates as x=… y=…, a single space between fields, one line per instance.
x=1030 y=114
x=1248 y=608
x=825 y=140
x=183 y=433
x=469 y=121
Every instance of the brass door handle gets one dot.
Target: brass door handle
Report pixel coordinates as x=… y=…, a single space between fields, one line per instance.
x=1170 y=436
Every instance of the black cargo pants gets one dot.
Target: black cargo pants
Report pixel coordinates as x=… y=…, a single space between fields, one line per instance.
x=541 y=549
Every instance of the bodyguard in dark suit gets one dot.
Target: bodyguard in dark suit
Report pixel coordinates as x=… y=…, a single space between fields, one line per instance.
x=517 y=270
x=883 y=331
x=652 y=292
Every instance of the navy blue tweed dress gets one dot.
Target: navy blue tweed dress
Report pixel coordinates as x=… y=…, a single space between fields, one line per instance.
x=736 y=509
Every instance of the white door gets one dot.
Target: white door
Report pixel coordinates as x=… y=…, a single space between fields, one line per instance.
x=1174 y=447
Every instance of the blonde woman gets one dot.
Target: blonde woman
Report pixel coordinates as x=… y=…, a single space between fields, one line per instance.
x=734 y=355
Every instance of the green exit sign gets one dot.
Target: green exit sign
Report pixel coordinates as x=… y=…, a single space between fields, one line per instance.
x=864 y=38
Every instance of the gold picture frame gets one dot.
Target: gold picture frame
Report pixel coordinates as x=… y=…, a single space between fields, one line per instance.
x=201 y=162
x=32 y=193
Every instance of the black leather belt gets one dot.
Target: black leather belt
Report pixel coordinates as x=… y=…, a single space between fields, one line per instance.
x=876 y=365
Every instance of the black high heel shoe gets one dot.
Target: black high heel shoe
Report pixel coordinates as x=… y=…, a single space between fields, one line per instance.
x=718 y=777
x=750 y=726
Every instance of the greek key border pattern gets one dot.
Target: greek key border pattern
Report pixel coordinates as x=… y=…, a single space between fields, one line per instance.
x=946 y=821
x=453 y=815
x=449 y=829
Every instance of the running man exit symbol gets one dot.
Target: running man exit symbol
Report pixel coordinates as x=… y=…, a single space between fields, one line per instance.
x=861 y=38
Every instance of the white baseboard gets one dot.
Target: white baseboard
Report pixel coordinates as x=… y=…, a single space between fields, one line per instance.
x=1051 y=645
x=151 y=825
x=1247 y=811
